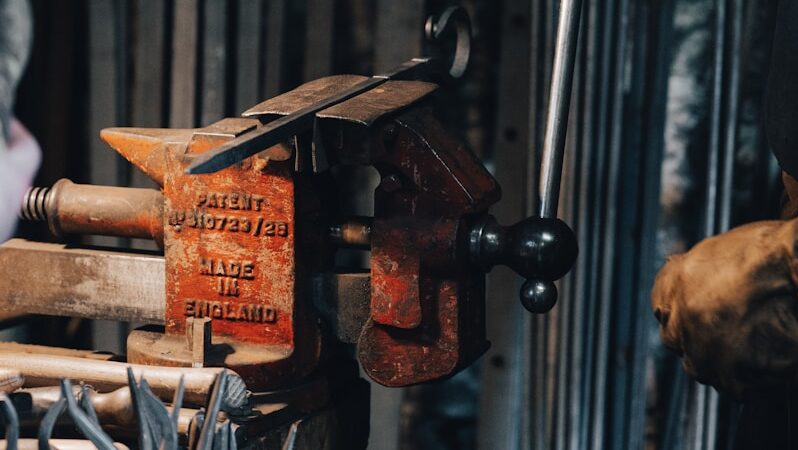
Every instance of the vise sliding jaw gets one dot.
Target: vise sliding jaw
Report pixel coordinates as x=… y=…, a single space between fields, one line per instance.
x=251 y=247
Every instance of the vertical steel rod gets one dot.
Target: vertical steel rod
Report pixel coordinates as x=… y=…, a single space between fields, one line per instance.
x=583 y=275
x=613 y=327
x=721 y=160
x=731 y=115
x=731 y=89
x=559 y=102
x=541 y=383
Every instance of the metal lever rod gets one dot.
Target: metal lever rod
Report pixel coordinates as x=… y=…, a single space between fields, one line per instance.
x=559 y=103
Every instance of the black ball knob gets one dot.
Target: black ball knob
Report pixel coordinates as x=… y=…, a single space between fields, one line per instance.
x=540 y=249
x=538 y=296
x=535 y=247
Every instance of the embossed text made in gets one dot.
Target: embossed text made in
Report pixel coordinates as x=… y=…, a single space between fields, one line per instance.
x=227 y=273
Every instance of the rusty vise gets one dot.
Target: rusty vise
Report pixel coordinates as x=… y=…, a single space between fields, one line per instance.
x=248 y=278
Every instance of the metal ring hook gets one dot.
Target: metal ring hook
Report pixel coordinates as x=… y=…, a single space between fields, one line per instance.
x=454 y=18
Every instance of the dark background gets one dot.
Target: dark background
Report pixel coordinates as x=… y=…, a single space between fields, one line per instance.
x=667 y=102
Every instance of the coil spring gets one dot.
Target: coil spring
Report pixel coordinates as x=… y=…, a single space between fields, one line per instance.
x=33 y=204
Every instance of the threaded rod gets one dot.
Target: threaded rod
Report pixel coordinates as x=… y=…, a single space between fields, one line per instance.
x=33 y=204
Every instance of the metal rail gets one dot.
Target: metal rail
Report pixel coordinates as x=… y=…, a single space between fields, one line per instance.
x=559 y=105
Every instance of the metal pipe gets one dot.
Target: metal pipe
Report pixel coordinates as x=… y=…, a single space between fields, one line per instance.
x=559 y=103
x=103 y=210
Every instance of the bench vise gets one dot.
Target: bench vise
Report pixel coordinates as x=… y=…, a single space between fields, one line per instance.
x=251 y=228
x=252 y=247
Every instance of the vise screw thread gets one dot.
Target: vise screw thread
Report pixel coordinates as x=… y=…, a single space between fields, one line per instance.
x=33 y=204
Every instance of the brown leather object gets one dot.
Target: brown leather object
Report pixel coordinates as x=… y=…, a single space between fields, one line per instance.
x=789 y=204
x=730 y=307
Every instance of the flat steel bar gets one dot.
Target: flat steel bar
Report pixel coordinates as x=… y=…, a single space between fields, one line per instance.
x=559 y=104
x=286 y=127
x=52 y=279
x=272 y=133
x=100 y=283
